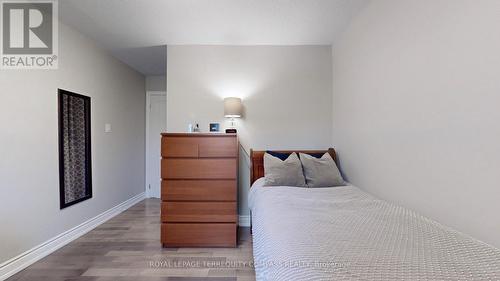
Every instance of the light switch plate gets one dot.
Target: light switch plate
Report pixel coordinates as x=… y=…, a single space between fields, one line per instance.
x=107 y=128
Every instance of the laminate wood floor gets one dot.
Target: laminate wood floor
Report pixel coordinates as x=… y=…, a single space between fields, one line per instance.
x=127 y=248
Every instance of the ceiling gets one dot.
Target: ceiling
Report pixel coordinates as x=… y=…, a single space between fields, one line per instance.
x=150 y=61
x=121 y=25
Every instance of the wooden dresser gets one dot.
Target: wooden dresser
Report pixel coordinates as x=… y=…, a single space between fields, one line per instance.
x=199 y=190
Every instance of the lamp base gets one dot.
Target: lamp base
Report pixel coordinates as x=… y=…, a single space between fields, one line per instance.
x=231 y=131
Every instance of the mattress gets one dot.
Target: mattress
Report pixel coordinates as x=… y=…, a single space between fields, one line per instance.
x=343 y=233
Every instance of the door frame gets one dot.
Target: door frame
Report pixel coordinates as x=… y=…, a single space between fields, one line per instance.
x=149 y=94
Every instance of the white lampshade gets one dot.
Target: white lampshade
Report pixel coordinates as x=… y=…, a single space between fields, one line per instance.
x=232 y=107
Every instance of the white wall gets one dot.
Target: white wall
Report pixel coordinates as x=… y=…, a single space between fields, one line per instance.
x=416 y=95
x=29 y=169
x=286 y=93
x=156 y=83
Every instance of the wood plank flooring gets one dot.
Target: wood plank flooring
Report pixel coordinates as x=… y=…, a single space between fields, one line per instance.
x=127 y=248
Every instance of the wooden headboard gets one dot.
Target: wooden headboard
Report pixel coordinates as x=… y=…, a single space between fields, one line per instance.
x=257 y=160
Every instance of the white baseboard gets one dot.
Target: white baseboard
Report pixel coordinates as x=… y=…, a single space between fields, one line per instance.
x=244 y=221
x=31 y=256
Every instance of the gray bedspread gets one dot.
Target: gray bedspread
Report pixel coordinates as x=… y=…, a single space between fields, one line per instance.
x=343 y=233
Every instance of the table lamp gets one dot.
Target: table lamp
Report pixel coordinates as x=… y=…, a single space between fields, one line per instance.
x=232 y=109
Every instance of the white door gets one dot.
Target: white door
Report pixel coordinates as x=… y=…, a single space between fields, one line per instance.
x=157 y=124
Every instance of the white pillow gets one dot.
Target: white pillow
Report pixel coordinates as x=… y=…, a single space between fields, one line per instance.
x=321 y=172
x=283 y=173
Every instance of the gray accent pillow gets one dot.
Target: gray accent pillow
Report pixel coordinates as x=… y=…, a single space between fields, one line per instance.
x=321 y=172
x=287 y=172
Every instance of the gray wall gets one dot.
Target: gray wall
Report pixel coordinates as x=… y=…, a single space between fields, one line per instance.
x=416 y=95
x=286 y=93
x=29 y=169
x=156 y=83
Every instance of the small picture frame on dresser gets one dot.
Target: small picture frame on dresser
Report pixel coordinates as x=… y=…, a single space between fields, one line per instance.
x=214 y=127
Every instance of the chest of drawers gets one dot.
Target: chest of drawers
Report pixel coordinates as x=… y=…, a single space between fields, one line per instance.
x=199 y=190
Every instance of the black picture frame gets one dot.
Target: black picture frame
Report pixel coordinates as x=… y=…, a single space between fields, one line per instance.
x=87 y=139
x=214 y=127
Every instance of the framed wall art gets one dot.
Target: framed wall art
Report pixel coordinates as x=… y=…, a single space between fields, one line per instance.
x=75 y=167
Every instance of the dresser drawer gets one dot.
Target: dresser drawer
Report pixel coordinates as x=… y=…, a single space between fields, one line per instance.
x=198 y=211
x=198 y=190
x=218 y=147
x=175 y=168
x=198 y=235
x=179 y=147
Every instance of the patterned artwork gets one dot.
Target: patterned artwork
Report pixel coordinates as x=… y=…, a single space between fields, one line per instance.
x=74 y=145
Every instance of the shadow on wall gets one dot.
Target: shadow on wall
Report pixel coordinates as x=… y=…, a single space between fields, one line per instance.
x=243 y=181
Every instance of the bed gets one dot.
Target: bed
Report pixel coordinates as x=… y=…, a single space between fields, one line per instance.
x=343 y=233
